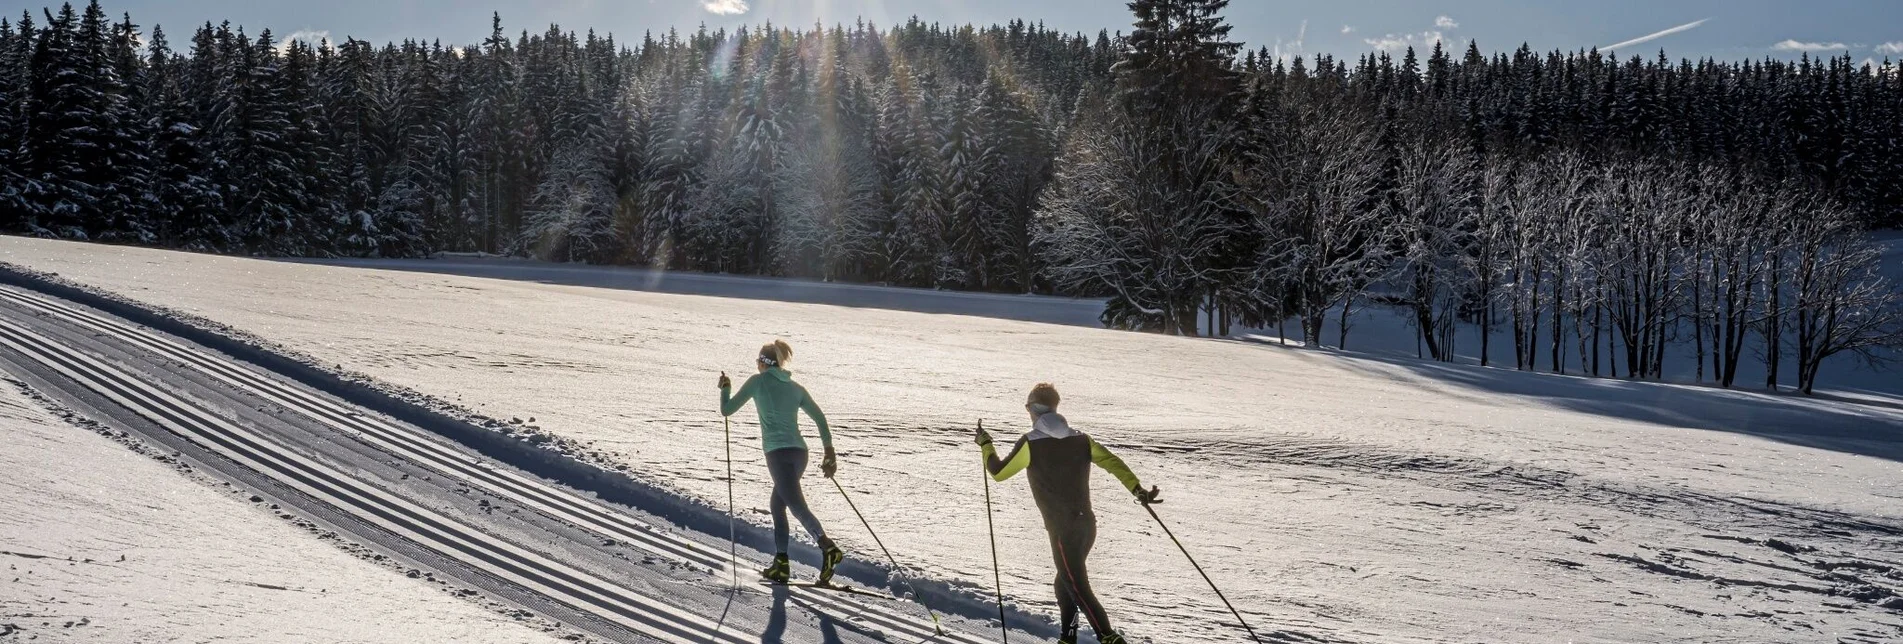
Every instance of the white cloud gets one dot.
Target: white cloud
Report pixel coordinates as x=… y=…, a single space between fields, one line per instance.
x=1346 y=29
x=1793 y=45
x=1657 y=35
x=1420 y=40
x=312 y=37
x=1891 y=48
x=725 y=7
x=1397 y=42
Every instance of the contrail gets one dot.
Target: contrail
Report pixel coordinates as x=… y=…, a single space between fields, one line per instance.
x=1651 y=37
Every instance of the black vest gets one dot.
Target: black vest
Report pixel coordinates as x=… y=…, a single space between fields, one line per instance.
x=1060 y=479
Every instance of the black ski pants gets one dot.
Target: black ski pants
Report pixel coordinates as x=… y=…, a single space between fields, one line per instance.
x=1071 y=540
x=786 y=467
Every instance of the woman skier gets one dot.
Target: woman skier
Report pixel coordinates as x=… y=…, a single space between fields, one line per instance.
x=779 y=400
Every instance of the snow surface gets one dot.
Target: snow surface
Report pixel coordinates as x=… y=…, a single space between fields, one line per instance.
x=1335 y=496
x=102 y=544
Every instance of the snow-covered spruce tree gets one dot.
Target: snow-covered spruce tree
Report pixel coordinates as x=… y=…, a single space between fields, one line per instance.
x=1021 y=149
x=272 y=203
x=913 y=247
x=625 y=149
x=188 y=206
x=12 y=100
x=63 y=152
x=829 y=186
x=755 y=157
x=670 y=173
x=723 y=218
x=131 y=202
x=574 y=215
x=1178 y=52
x=429 y=135
x=495 y=101
x=970 y=162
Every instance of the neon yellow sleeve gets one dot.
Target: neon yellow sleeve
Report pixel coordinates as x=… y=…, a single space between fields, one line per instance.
x=1110 y=463
x=1019 y=459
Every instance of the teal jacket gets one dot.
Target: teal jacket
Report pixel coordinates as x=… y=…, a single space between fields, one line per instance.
x=779 y=401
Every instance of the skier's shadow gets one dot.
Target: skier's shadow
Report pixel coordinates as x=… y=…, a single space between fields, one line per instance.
x=776 y=621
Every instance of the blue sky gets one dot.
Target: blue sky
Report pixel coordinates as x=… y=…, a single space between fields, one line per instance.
x=1729 y=29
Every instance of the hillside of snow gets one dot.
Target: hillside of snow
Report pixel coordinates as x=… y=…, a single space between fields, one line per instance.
x=1336 y=497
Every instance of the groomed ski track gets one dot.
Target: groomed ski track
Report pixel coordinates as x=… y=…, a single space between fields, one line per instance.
x=560 y=559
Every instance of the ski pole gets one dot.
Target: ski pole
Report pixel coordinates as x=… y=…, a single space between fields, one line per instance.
x=733 y=543
x=997 y=578
x=888 y=553
x=1199 y=571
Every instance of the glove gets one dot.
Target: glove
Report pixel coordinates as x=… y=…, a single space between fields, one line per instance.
x=982 y=438
x=724 y=382
x=1151 y=496
x=830 y=465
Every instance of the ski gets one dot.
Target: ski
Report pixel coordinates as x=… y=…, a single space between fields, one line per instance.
x=850 y=590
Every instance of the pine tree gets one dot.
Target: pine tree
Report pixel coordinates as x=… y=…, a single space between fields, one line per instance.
x=272 y=203
x=969 y=162
x=11 y=116
x=131 y=201
x=1179 y=51
x=188 y=205
x=62 y=155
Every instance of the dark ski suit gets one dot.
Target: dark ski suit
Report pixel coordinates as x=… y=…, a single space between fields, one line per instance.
x=1057 y=460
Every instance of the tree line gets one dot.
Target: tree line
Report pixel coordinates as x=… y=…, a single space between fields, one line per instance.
x=1598 y=211
x=1581 y=201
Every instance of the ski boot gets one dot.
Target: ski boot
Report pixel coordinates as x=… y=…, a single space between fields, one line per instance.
x=1112 y=638
x=780 y=572
x=1069 y=635
x=830 y=556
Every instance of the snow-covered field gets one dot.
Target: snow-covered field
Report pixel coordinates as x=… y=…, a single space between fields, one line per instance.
x=102 y=544
x=1336 y=497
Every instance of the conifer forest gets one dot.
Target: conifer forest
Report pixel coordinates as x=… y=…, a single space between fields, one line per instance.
x=1591 y=210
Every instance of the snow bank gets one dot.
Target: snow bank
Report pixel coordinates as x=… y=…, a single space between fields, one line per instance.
x=1336 y=497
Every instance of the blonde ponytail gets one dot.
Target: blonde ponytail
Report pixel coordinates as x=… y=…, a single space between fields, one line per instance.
x=779 y=352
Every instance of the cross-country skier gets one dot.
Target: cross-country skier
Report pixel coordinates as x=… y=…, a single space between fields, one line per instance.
x=779 y=400
x=1058 y=460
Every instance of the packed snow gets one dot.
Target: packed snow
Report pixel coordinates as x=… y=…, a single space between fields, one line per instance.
x=1335 y=497
x=102 y=544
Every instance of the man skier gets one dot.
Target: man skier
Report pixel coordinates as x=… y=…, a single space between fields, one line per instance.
x=1058 y=460
x=779 y=401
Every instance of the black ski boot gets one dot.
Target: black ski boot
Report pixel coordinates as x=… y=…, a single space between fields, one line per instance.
x=1069 y=635
x=830 y=556
x=1112 y=638
x=780 y=572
